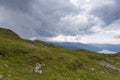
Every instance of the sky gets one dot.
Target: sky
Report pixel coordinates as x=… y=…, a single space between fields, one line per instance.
x=85 y=21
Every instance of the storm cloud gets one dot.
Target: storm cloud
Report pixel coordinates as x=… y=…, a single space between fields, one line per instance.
x=46 y=19
x=16 y=4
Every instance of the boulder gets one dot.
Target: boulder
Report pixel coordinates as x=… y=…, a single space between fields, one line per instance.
x=1 y=76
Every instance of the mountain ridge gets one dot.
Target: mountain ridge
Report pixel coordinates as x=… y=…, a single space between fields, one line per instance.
x=22 y=59
x=92 y=47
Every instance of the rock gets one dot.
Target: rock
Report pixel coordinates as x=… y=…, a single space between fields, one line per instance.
x=112 y=61
x=1 y=76
x=38 y=71
x=37 y=68
x=43 y=64
x=6 y=65
x=118 y=63
x=92 y=69
x=102 y=72
x=107 y=65
x=9 y=75
x=118 y=58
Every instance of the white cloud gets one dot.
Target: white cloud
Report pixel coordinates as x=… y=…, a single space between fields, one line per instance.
x=77 y=3
x=89 y=5
x=62 y=38
x=82 y=24
x=113 y=28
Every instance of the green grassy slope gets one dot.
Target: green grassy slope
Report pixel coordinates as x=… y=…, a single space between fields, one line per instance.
x=18 y=57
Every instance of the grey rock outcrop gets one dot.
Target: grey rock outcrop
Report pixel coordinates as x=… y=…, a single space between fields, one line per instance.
x=107 y=65
x=1 y=76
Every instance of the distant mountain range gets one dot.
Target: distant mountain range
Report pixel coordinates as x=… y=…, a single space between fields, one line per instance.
x=91 y=47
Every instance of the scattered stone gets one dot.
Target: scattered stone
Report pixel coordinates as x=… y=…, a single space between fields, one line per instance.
x=43 y=64
x=37 y=68
x=9 y=75
x=92 y=69
x=1 y=76
x=118 y=63
x=6 y=65
x=107 y=65
x=111 y=61
x=102 y=72
x=118 y=58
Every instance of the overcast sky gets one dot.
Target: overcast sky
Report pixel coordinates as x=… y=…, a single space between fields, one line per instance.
x=87 y=21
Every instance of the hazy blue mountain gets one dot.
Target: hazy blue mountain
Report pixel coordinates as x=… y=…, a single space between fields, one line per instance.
x=92 y=47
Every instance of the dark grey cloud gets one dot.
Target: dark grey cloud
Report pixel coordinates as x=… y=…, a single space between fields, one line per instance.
x=108 y=13
x=49 y=13
x=50 y=18
x=22 y=5
x=34 y=18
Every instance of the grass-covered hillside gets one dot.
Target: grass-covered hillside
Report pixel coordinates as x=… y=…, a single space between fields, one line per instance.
x=22 y=59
